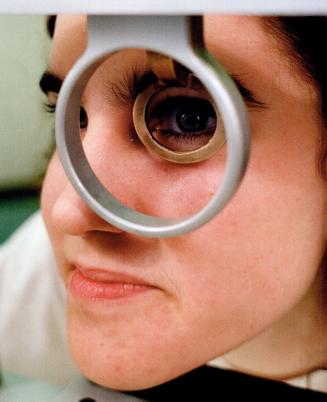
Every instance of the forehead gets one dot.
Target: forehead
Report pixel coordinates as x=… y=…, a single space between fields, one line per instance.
x=69 y=41
x=241 y=43
x=251 y=50
x=221 y=33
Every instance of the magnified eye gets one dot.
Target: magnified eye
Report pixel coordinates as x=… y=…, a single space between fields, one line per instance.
x=181 y=123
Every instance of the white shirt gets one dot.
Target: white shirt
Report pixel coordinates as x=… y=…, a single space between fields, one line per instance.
x=32 y=311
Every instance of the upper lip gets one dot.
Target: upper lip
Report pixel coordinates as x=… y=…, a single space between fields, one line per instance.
x=104 y=275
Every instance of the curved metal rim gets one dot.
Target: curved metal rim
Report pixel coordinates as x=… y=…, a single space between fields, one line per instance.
x=201 y=154
x=99 y=198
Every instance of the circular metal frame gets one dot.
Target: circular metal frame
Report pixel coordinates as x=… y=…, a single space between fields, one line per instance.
x=139 y=117
x=218 y=84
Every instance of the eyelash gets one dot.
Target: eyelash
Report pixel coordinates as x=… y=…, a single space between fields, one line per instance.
x=127 y=89
x=50 y=107
x=126 y=93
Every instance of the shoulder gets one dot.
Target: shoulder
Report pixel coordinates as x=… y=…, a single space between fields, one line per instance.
x=27 y=264
x=32 y=306
x=28 y=233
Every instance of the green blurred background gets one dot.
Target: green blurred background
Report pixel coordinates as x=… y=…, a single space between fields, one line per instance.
x=26 y=130
x=14 y=209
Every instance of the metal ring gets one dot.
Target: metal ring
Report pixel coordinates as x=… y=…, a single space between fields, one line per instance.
x=139 y=118
x=220 y=87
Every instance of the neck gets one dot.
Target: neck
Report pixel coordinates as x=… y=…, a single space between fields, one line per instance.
x=295 y=345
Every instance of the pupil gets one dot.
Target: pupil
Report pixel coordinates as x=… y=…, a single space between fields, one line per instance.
x=191 y=120
x=83 y=119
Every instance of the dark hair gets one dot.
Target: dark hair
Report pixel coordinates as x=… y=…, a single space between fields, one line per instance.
x=51 y=23
x=306 y=38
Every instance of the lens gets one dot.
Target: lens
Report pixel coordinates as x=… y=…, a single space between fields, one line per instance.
x=175 y=117
x=180 y=119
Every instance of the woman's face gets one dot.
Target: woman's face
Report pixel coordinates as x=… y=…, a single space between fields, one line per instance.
x=169 y=305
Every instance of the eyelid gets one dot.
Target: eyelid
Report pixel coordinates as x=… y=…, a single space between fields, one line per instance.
x=247 y=95
x=132 y=83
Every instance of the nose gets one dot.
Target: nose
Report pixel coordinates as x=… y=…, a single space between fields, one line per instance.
x=73 y=216
x=119 y=164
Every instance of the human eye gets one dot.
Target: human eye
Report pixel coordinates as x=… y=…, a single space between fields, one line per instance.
x=181 y=119
x=50 y=85
x=178 y=121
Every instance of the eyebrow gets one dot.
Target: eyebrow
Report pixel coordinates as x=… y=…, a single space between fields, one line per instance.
x=51 y=82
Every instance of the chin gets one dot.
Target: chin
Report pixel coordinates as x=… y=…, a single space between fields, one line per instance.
x=125 y=376
x=126 y=381
x=116 y=365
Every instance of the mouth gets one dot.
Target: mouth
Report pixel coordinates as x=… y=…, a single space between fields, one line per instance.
x=95 y=284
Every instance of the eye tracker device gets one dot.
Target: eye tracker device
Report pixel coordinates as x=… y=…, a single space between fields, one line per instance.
x=173 y=36
x=172 y=33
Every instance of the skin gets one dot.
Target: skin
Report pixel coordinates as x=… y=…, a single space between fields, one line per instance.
x=249 y=282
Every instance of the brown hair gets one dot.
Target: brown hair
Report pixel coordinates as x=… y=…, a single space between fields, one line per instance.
x=306 y=37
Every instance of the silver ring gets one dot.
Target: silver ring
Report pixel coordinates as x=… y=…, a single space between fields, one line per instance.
x=171 y=36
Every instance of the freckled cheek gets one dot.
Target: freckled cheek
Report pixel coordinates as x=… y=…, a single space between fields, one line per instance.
x=258 y=244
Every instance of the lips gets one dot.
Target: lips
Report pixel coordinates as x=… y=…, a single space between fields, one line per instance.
x=97 y=284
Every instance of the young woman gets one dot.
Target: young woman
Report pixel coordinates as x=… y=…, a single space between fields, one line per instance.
x=251 y=284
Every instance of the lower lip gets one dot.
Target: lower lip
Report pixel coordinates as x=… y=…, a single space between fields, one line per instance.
x=85 y=288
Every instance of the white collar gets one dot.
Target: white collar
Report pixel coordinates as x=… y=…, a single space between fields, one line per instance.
x=316 y=380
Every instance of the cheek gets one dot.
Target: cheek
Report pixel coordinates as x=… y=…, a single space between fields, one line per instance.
x=52 y=185
x=258 y=258
x=265 y=254
x=54 y=182
x=245 y=270
x=50 y=190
